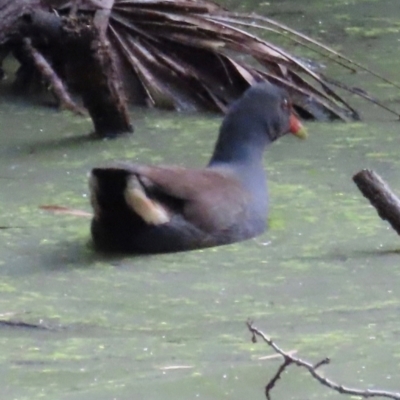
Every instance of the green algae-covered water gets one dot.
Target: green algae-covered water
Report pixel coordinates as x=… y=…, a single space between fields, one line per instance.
x=323 y=280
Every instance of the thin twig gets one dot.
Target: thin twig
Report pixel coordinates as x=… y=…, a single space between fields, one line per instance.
x=312 y=369
x=276 y=377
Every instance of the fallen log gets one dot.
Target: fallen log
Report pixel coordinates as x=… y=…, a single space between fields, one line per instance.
x=378 y=192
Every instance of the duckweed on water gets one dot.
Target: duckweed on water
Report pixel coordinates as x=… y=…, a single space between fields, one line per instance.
x=322 y=281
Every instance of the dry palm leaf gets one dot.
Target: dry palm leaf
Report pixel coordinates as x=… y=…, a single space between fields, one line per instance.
x=195 y=55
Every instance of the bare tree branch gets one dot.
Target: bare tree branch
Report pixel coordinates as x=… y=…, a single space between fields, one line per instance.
x=312 y=369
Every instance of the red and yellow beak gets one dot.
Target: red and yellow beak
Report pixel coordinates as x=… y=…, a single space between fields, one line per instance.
x=297 y=128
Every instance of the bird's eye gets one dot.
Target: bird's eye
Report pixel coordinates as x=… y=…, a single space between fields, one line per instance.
x=285 y=104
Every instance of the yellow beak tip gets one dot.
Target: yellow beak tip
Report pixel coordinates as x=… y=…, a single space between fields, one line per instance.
x=301 y=133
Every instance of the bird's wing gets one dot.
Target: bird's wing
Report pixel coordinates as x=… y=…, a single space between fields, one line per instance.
x=212 y=198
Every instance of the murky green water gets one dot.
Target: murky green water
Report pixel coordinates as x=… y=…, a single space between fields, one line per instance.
x=324 y=280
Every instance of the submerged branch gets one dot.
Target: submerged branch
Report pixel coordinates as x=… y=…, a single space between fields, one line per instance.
x=9 y=321
x=22 y=324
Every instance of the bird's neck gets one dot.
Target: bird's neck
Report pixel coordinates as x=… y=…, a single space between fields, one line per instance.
x=239 y=145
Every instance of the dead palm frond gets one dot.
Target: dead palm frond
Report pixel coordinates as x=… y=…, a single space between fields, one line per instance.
x=195 y=55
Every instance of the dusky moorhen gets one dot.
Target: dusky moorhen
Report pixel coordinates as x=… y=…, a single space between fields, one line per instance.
x=153 y=209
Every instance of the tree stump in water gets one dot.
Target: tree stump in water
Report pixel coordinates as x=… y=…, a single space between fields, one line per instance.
x=87 y=63
x=69 y=51
x=93 y=74
x=377 y=191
